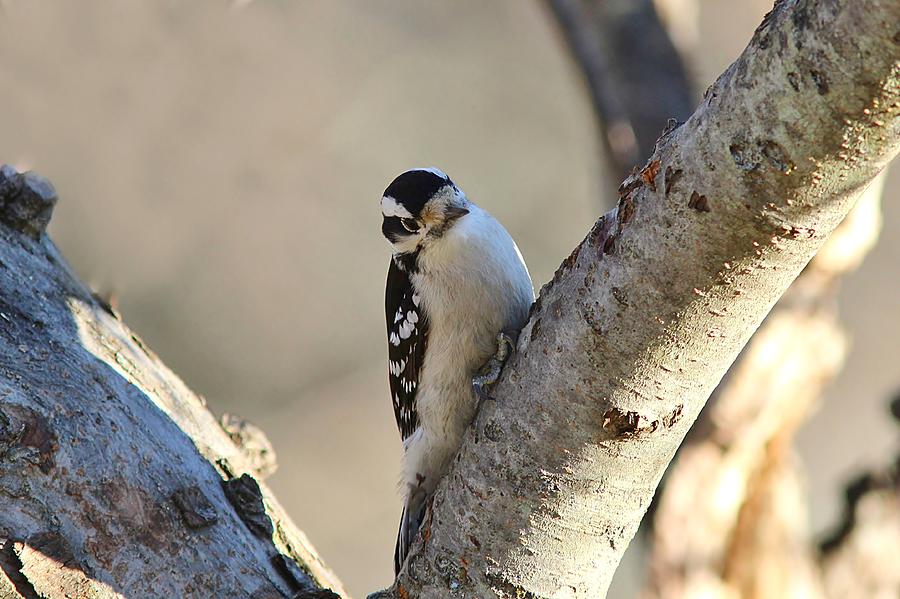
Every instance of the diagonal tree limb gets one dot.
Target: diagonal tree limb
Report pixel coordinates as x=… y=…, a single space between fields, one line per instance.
x=115 y=480
x=640 y=323
x=732 y=510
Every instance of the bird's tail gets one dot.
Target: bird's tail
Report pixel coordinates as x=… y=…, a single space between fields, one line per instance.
x=410 y=521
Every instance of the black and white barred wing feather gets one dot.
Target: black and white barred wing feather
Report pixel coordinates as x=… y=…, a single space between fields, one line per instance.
x=407 y=331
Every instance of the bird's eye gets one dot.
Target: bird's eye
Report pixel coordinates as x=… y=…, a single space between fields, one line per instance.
x=410 y=224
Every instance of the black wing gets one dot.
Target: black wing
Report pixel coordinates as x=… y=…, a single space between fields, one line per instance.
x=407 y=330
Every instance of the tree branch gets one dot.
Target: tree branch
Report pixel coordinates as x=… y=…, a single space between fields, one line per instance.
x=731 y=518
x=115 y=480
x=861 y=559
x=641 y=321
x=635 y=77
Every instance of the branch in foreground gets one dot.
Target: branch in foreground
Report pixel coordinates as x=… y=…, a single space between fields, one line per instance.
x=642 y=320
x=115 y=480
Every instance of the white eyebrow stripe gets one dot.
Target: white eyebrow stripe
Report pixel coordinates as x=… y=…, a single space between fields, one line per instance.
x=390 y=207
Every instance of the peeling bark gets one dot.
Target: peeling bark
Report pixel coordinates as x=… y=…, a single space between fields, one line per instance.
x=643 y=319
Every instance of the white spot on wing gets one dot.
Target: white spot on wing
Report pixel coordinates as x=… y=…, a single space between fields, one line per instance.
x=406 y=329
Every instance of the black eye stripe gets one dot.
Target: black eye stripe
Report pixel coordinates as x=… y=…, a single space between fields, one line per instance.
x=393 y=229
x=410 y=224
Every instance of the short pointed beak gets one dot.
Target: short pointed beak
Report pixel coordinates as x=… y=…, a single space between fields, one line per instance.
x=451 y=213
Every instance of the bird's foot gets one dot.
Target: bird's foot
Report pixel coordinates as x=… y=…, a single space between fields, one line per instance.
x=488 y=375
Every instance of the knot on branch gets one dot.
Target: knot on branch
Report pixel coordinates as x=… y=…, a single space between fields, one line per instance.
x=26 y=201
x=195 y=509
x=301 y=585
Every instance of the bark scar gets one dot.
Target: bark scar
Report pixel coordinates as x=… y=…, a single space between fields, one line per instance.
x=648 y=175
x=23 y=427
x=196 y=510
x=245 y=496
x=625 y=423
x=622 y=423
x=698 y=202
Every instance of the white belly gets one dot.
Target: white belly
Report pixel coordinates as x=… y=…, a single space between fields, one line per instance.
x=480 y=288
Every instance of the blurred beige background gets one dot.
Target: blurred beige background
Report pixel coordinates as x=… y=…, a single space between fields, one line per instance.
x=220 y=170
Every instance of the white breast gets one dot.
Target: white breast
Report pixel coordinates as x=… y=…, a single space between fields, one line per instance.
x=473 y=284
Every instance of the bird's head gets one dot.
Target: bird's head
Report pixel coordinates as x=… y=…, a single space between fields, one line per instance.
x=418 y=207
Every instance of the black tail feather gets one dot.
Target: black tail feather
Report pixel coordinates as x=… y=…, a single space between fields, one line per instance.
x=410 y=521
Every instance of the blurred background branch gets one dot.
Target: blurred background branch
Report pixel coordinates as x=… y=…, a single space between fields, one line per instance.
x=732 y=517
x=636 y=78
x=859 y=560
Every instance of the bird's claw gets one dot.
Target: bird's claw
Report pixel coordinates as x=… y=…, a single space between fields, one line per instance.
x=488 y=375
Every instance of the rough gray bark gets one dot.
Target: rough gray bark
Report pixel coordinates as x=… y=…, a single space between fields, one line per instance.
x=640 y=323
x=115 y=480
